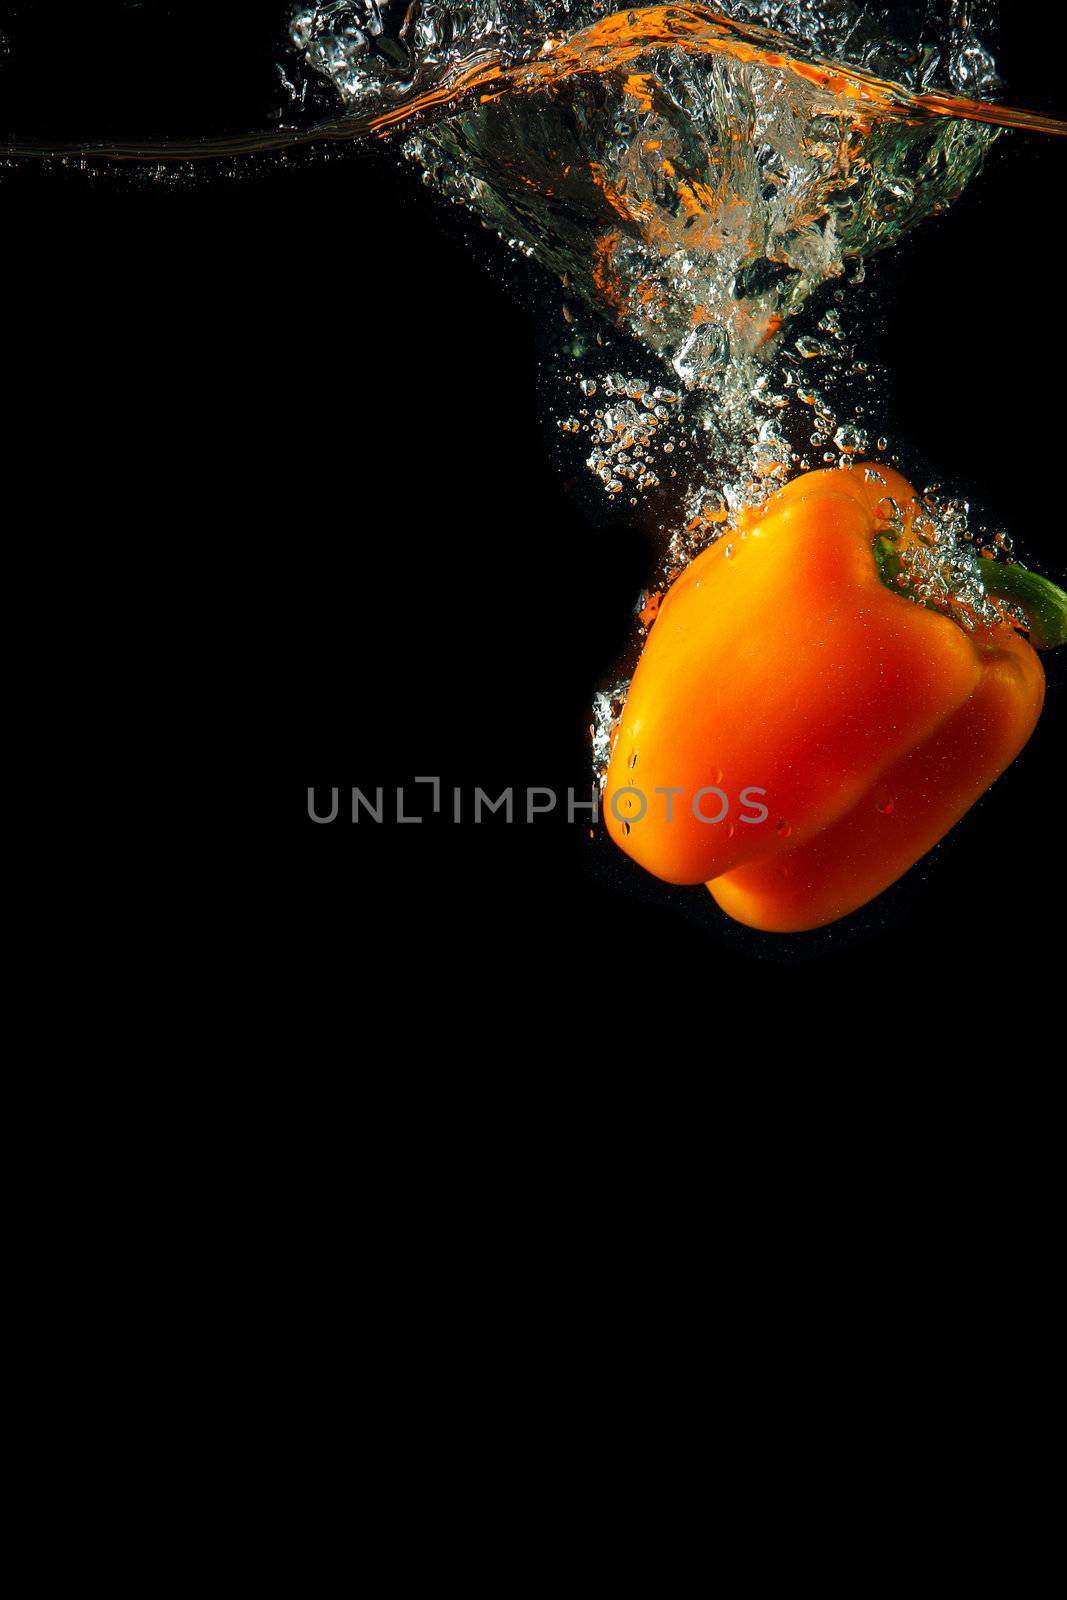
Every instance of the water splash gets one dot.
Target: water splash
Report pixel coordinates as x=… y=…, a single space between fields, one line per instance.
x=392 y=62
x=697 y=198
x=380 y=55
x=692 y=177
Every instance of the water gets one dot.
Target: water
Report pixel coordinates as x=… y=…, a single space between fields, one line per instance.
x=693 y=178
x=698 y=182
x=378 y=56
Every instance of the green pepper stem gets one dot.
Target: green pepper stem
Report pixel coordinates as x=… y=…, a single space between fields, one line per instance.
x=1043 y=601
x=887 y=560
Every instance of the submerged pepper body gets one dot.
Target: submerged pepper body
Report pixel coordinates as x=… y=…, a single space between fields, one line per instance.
x=797 y=734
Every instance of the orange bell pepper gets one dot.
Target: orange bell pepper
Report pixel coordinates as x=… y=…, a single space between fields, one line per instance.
x=798 y=732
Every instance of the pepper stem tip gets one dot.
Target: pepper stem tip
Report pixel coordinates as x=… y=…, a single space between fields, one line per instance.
x=1043 y=601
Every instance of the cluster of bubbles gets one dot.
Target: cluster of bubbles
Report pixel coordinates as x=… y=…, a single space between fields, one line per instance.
x=919 y=46
x=938 y=555
x=630 y=432
x=807 y=403
x=608 y=707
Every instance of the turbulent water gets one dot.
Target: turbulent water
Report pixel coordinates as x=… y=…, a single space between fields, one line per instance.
x=695 y=176
x=691 y=176
x=379 y=54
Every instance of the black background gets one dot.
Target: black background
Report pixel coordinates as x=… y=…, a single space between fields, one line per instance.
x=285 y=459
